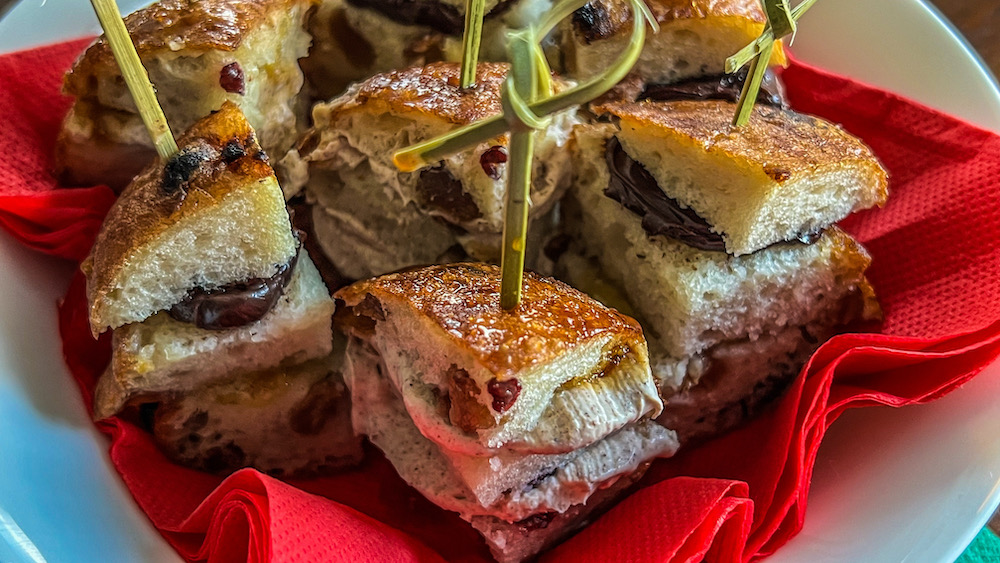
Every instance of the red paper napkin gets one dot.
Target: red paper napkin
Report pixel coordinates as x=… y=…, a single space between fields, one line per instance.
x=936 y=269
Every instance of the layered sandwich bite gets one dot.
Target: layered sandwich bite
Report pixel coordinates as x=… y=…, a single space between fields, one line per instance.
x=523 y=422
x=371 y=218
x=219 y=317
x=198 y=54
x=723 y=243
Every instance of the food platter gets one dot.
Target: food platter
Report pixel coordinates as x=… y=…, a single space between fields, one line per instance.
x=913 y=484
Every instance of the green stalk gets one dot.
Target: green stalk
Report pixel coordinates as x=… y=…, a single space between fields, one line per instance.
x=780 y=22
x=747 y=54
x=779 y=17
x=520 y=88
x=135 y=77
x=475 y=11
x=751 y=86
x=515 y=224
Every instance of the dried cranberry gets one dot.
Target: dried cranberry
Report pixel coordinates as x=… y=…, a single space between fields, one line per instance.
x=231 y=79
x=504 y=393
x=491 y=158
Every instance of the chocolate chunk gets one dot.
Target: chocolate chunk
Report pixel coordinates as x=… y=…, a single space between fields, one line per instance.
x=721 y=87
x=438 y=16
x=465 y=411
x=182 y=165
x=233 y=151
x=491 y=159
x=440 y=192
x=635 y=188
x=224 y=458
x=235 y=304
x=231 y=79
x=593 y=22
x=504 y=393
x=309 y=416
x=147 y=415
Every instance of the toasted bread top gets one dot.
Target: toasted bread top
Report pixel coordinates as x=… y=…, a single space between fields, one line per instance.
x=433 y=90
x=782 y=141
x=172 y=25
x=603 y=19
x=220 y=154
x=464 y=301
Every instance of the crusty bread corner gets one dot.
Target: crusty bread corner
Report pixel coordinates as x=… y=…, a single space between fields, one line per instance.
x=776 y=178
x=171 y=25
x=163 y=356
x=463 y=300
x=695 y=37
x=226 y=223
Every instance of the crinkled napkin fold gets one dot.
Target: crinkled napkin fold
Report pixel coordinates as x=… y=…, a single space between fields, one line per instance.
x=936 y=248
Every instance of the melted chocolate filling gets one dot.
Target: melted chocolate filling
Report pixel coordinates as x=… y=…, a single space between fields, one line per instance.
x=723 y=87
x=440 y=191
x=635 y=188
x=440 y=17
x=234 y=304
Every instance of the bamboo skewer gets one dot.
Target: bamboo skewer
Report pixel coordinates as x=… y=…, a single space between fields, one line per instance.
x=135 y=76
x=781 y=22
x=474 y=14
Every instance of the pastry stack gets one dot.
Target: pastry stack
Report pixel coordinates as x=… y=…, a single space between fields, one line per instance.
x=371 y=218
x=523 y=423
x=222 y=326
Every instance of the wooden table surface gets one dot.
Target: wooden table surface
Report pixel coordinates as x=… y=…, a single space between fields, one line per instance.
x=979 y=21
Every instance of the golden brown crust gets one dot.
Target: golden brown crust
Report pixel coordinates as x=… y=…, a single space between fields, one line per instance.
x=146 y=209
x=194 y=25
x=464 y=301
x=431 y=90
x=780 y=140
x=607 y=18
